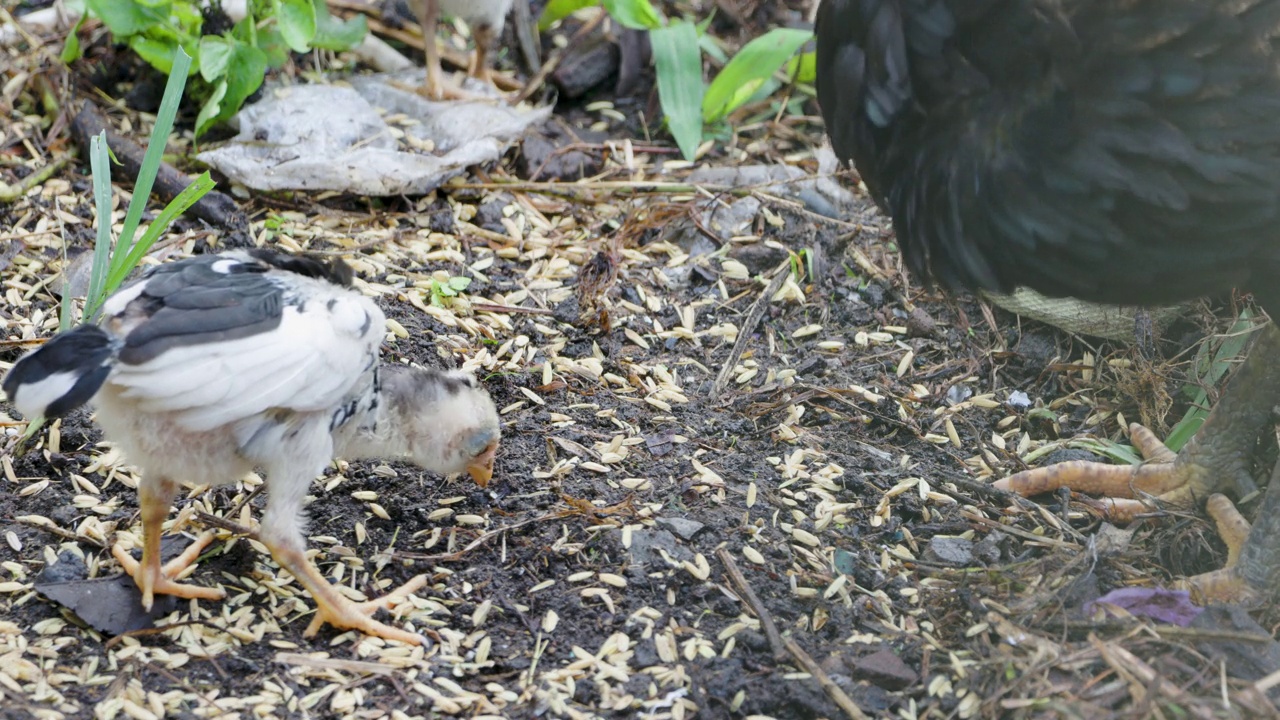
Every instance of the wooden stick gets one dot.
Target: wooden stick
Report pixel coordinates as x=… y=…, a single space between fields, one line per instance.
x=787 y=645
x=749 y=326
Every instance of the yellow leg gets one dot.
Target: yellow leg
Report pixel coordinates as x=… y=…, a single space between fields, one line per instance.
x=483 y=35
x=154 y=498
x=338 y=611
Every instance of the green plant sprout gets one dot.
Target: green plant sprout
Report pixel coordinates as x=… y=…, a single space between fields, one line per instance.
x=687 y=102
x=231 y=65
x=443 y=293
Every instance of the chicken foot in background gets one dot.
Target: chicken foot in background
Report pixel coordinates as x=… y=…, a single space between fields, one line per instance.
x=486 y=18
x=1217 y=458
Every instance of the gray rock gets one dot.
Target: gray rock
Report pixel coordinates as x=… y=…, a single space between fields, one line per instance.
x=682 y=527
x=949 y=550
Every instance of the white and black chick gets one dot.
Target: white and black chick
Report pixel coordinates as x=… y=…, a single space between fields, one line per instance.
x=209 y=367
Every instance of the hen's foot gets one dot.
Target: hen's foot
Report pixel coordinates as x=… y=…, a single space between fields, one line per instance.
x=335 y=609
x=153 y=578
x=1127 y=490
x=1252 y=572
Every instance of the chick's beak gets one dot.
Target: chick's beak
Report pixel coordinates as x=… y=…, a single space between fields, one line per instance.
x=481 y=466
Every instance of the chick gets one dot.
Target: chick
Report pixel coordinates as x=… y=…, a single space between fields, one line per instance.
x=486 y=19
x=210 y=367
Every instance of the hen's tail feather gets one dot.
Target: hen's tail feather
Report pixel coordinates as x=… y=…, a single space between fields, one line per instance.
x=62 y=374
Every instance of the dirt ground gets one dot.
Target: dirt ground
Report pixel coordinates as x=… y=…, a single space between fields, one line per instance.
x=841 y=468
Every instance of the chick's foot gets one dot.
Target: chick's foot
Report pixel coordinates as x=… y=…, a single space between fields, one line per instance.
x=153 y=578
x=337 y=610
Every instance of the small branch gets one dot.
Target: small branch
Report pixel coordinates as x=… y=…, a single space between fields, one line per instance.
x=781 y=646
x=490 y=307
x=749 y=326
x=9 y=193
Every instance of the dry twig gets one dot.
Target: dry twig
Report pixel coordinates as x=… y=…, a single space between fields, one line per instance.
x=782 y=645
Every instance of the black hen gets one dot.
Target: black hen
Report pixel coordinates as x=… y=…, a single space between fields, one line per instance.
x=1114 y=151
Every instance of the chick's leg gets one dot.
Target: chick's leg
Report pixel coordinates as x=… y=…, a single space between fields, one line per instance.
x=429 y=16
x=154 y=499
x=1216 y=458
x=282 y=535
x=483 y=35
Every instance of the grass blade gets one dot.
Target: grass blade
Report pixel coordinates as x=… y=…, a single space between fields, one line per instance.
x=100 y=168
x=176 y=207
x=755 y=63
x=150 y=166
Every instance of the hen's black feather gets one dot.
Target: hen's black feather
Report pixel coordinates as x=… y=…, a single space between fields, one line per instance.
x=1122 y=151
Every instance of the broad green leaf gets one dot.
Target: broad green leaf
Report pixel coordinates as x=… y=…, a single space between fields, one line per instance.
x=336 y=34
x=296 y=20
x=747 y=71
x=215 y=56
x=212 y=108
x=125 y=18
x=636 y=14
x=158 y=52
x=271 y=42
x=679 y=65
x=803 y=68
x=245 y=73
x=557 y=10
x=459 y=283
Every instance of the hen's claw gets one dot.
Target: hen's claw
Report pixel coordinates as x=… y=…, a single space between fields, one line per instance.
x=1126 y=490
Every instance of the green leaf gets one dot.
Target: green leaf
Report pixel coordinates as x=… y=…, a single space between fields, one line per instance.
x=271 y=42
x=71 y=50
x=803 y=68
x=245 y=75
x=215 y=57
x=212 y=108
x=125 y=19
x=679 y=64
x=635 y=14
x=459 y=283
x=557 y=10
x=337 y=34
x=245 y=71
x=1208 y=372
x=185 y=199
x=158 y=52
x=296 y=20
x=712 y=48
x=755 y=63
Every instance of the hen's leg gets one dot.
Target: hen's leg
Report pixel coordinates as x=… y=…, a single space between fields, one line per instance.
x=154 y=499
x=282 y=534
x=1216 y=458
x=1252 y=572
